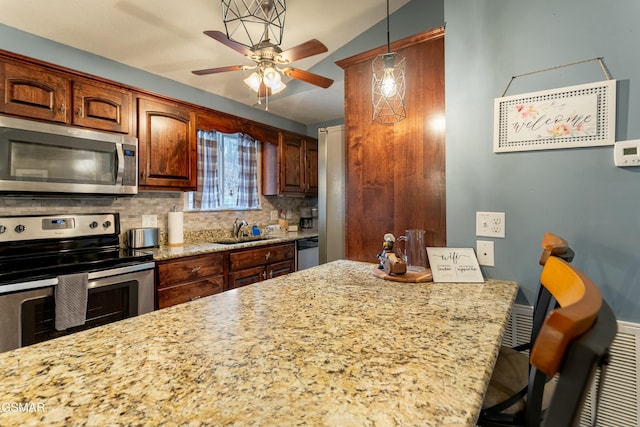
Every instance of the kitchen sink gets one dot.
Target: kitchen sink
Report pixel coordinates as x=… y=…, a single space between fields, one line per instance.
x=244 y=239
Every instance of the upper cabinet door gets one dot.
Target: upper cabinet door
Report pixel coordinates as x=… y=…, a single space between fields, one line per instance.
x=311 y=170
x=101 y=107
x=34 y=92
x=167 y=145
x=292 y=166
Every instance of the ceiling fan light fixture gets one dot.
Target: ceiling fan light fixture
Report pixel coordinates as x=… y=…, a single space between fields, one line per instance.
x=251 y=22
x=271 y=77
x=253 y=81
x=388 y=85
x=279 y=87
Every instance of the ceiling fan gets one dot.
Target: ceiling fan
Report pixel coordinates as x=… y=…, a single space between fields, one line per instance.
x=271 y=63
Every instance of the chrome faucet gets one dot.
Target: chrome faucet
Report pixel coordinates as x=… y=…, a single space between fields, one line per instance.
x=237 y=226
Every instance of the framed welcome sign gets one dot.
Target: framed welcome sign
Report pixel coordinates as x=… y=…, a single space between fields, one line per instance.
x=575 y=116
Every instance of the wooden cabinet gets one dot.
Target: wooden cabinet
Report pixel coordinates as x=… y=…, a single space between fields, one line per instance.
x=39 y=93
x=34 y=92
x=311 y=167
x=189 y=278
x=102 y=107
x=167 y=145
x=247 y=266
x=291 y=167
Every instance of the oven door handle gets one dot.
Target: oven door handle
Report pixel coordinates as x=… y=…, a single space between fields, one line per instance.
x=94 y=275
x=120 y=270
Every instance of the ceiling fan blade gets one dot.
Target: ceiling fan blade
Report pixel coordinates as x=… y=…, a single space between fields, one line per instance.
x=218 y=70
x=222 y=38
x=308 y=77
x=304 y=50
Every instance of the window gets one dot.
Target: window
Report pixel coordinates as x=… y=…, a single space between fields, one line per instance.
x=227 y=172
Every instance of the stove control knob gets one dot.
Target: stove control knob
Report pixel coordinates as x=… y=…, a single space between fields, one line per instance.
x=106 y=224
x=93 y=225
x=2 y=229
x=19 y=228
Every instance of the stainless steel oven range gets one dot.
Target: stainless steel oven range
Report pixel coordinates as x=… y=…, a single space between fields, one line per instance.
x=36 y=250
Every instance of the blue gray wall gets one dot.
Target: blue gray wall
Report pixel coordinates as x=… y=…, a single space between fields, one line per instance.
x=576 y=193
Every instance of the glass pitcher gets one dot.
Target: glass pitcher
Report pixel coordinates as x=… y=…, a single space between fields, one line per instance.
x=415 y=251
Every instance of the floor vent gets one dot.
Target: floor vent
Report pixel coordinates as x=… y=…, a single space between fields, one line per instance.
x=619 y=404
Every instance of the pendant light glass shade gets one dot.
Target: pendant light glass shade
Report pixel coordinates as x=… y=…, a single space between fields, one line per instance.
x=252 y=22
x=388 y=85
x=388 y=88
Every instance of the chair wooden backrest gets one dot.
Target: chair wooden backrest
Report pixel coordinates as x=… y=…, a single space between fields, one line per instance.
x=552 y=246
x=572 y=341
x=579 y=301
x=556 y=246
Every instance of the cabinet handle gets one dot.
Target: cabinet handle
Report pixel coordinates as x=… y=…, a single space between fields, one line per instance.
x=195 y=269
x=195 y=298
x=267 y=255
x=271 y=274
x=79 y=113
x=264 y=275
x=61 y=109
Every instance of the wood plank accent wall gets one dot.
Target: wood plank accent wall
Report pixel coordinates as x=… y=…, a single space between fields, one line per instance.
x=395 y=173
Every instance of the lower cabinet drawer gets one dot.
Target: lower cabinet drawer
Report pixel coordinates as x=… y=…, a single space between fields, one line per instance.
x=248 y=258
x=247 y=276
x=192 y=268
x=281 y=268
x=189 y=291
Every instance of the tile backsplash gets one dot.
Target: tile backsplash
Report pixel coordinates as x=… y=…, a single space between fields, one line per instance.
x=156 y=203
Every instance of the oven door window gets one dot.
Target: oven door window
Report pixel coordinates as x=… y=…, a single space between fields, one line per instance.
x=104 y=305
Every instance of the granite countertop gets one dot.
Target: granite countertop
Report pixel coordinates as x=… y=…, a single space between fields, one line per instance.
x=202 y=245
x=331 y=345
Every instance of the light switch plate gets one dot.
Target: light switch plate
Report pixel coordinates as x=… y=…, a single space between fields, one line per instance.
x=490 y=224
x=274 y=215
x=484 y=253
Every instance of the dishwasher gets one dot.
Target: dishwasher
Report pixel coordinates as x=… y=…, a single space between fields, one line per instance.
x=307 y=252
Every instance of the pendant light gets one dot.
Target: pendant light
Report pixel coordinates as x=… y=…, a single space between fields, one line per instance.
x=388 y=84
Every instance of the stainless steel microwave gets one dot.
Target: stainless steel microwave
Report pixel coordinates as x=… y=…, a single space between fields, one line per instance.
x=40 y=157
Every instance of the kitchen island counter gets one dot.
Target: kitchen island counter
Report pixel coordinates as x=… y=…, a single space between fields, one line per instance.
x=331 y=345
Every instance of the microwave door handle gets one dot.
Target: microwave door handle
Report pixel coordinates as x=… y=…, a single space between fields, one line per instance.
x=120 y=160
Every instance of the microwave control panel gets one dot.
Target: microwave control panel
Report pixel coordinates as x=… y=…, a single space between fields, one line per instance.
x=627 y=153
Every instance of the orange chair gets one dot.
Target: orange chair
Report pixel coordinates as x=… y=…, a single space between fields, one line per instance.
x=572 y=342
x=510 y=379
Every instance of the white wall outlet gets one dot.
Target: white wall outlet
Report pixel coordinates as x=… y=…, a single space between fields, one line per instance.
x=149 y=220
x=484 y=253
x=490 y=224
x=274 y=215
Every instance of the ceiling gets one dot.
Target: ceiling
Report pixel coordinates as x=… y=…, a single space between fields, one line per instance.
x=165 y=37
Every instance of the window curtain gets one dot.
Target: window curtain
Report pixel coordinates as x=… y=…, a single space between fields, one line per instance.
x=247 y=172
x=208 y=194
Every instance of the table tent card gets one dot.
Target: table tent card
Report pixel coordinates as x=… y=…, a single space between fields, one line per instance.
x=454 y=265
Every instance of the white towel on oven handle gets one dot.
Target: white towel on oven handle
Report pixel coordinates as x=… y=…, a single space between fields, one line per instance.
x=71 y=300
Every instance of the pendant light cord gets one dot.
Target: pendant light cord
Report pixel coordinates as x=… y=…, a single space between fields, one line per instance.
x=388 y=36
